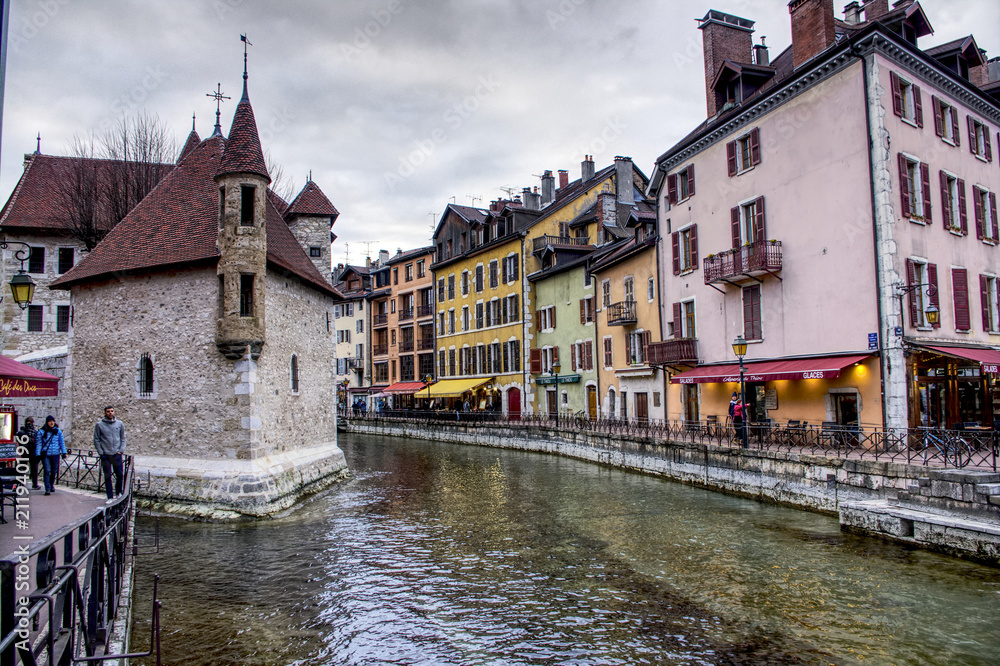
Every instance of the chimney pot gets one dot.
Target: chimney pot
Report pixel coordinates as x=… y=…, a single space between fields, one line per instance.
x=623 y=180
x=563 y=178
x=760 y=55
x=587 y=168
x=548 y=188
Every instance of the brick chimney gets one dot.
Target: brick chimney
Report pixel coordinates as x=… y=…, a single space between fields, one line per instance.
x=587 y=168
x=723 y=37
x=623 y=180
x=548 y=188
x=876 y=9
x=563 y=178
x=812 y=28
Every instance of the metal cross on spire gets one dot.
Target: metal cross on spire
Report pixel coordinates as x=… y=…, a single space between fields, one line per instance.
x=218 y=97
x=246 y=43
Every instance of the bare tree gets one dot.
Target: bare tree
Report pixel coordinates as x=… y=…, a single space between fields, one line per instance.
x=280 y=183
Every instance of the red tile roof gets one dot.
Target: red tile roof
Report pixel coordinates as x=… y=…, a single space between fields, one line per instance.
x=243 y=153
x=310 y=201
x=192 y=142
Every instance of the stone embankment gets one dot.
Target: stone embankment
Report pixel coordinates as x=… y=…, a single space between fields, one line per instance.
x=956 y=512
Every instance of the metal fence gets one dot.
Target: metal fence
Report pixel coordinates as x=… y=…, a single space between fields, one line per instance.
x=929 y=447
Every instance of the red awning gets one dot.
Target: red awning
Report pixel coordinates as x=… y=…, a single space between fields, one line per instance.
x=403 y=388
x=18 y=380
x=988 y=358
x=819 y=367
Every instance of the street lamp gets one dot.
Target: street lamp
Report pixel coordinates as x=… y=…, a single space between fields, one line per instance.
x=556 y=366
x=22 y=287
x=740 y=349
x=427 y=380
x=931 y=312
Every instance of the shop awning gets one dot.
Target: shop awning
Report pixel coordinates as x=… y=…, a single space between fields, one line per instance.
x=18 y=380
x=985 y=356
x=818 y=367
x=403 y=388
x=452 y=388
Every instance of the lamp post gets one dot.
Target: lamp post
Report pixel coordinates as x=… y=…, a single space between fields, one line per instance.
x=22 y=287
x=556 y=366
x=740 y=349
x=931 y=312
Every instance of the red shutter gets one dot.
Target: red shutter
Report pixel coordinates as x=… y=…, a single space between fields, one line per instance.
x=690 y=172
x=735 y=215
x=989 y=145
x=977 y=203
x=911 y=276
x=694 y=246
x=904 y=186
x=583 y=314
x=972 y=134
x=672 y=188
x=628 y=349
x=993 y=216
x=918 y=106
x=962 y=210
x=897 y=94
x=945 y=197
x=536 y=361
x=938 y=116
x=646 y=339
x=675 y=244
x=935 y=301
x=731 y=158
x=555 y=354
x=572 y=356
x=678 y=333
x=761 y=234
x=984 y=300
x=925 y=177
x=960 y=288
x=552 y=316
x=955 y=134
x=588 y=355
x=755 y=146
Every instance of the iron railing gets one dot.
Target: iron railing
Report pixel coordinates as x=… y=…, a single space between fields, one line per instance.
x=425 y=311
x=621 y=313
x=681 y=350
x=759 y=257
x=916 y=446
x=380 y=320
x=380 y=350
x=406 y=314
x=425 y=343
x=547 y=239
x=406 y=346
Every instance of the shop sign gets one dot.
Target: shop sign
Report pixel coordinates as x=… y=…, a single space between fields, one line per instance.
x=991 y=369
x=873 y=342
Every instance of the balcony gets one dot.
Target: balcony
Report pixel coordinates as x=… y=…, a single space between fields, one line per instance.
x=406 y=346
x=749 y=260
x=380 y=350
x=406 y=315
x=673 y=352
x=621 y=313
x=425 y=310
x=425 y=344
x=573 y=241
x=380 y=320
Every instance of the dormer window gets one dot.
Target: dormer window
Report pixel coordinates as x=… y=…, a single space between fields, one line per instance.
x=246 y=205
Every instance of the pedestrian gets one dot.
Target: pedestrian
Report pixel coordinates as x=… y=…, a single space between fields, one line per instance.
x=466 y=407
x=356 y=407
x=364 y=407
x=739 y=422
x=49 y=445
x=28 y=430
x=109 y=442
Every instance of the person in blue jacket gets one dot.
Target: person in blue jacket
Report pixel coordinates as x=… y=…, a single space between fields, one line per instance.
x=49 y=445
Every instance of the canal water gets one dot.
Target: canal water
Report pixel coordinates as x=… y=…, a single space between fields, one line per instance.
x=447 y=554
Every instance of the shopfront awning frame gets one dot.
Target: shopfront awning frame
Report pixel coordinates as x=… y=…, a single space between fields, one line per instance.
x=987 y=357
x=815 y=367
x=452 y=388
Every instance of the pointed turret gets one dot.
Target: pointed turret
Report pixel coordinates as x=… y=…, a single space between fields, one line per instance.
x=243 y=152
x=192 y=142
x=310 y=216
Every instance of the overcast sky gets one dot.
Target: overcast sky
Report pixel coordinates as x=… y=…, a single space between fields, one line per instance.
x=394 y=106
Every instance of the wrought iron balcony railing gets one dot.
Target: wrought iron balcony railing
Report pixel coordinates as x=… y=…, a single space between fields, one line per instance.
x=669 y=352
x=425 y=343
x=751 y=259
x=621 y=313
x=406 y=315
x=406 y=346
x=542 y=241
x=380 y=320
x=425 y=310
x=380 y=350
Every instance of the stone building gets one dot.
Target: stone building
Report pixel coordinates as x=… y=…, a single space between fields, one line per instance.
x=203 y=320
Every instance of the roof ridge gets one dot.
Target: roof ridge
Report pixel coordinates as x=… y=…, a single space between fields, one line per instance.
x=9 y=205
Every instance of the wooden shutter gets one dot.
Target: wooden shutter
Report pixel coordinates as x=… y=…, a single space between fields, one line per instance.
x=628 y=349
x=555 y=353
x=925 y=180
x=984 y=300
x=760 y=234
x=515 y=314
x=980 y=212
x=536 y=361
x=956 y=136
x=672 y=188
x=935 y=301
x=552 y=316
x=972 y=134
x=911 y=276
x=735 y=216
x=905 y=186
x=993 y=216
x=731 y=158
x=897 y=94
x=678 y=326
x=572 y=356
x=989 y=144
x=918 y=106
x=646 y=339
x=690 y=175
x=938 y=116
x=960 y=288
x=962 y=211
x=583 y=311
x=755 y=146
x=503 y=311
x=675 y=244
x=694 y=246
x=945 y=200
x=516 y=261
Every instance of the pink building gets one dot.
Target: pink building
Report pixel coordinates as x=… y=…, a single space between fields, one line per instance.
x=837 y=200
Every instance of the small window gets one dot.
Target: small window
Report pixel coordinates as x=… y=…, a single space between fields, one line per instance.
x=246 y=205
x=989 y=296
x=395 y=275
x=295 y=373
x=946 y=121
x=35 y=318
x=36 y=260
x=979 y=140
x=146 y=382
x=915 y=189
x=650 y=289
x=743 y=153
x=953 y=204
x=420 y=268
x=906 y=100
x=606 y=293
x=246 y=295
x=684 y=244
x=62 y=318
x=315 y=251
x=66 y=257
x=985 y=204
x=409 y=272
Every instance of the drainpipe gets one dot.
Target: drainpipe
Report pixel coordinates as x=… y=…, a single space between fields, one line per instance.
x=883 y=328
x=598 y=348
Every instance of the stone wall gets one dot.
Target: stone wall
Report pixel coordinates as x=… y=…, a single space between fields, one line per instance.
x=55 y=362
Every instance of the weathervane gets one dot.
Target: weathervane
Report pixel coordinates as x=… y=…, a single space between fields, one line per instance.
x=246 y=43
x=218 y=97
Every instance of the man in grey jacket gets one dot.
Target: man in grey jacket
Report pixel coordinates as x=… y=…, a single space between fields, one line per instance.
x=109 y=442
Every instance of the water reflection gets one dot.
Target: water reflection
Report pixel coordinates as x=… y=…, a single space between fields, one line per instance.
x=440 y=554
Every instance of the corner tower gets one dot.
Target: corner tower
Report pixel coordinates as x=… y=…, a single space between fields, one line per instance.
x=243 y=180
x=311 y=216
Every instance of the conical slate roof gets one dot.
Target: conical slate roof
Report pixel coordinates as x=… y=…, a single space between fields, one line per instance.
x=192 y=142
x=311 y=201
x=243 y=153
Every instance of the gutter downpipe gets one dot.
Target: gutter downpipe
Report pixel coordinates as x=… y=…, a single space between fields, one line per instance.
x=883 y=330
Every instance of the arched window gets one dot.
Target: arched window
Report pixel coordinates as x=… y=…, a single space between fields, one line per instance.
x=145 y=379
x=295 y=373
